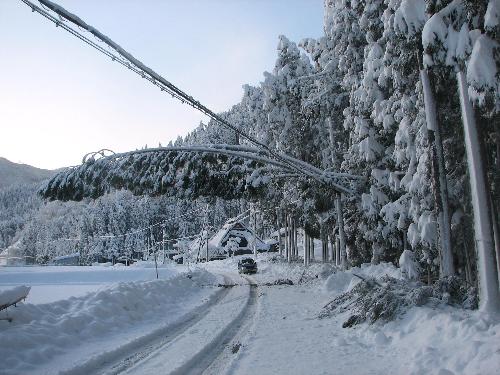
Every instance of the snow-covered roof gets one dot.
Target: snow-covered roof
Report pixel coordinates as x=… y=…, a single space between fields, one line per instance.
x=69 y=256
x=237 y=228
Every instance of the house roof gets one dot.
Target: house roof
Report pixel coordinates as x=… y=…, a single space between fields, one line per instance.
x=236 y=226
x=68 y=256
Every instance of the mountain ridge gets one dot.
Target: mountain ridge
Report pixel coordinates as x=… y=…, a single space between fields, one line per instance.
x=15 y=173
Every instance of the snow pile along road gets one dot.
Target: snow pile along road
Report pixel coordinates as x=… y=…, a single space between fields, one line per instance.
x=343 y=281
x=442 y=341
x=53 y=283
x=73 y=330
x=14 y=295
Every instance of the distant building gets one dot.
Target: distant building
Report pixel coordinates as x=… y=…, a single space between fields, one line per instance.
x=234 y=238
x=13 y=255
x=67 y=260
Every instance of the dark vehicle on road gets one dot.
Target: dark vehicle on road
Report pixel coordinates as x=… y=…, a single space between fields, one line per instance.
x=247 y=265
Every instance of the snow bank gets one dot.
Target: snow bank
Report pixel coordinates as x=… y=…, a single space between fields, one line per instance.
x=39 y=333
x=445 y=341
x=53 y=283
x=13 y=295
x=441 y=340
x=339 y=282
x=438 y=339
x=343 y=281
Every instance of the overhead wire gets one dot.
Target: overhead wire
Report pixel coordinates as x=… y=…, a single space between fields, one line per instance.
x=130 y=62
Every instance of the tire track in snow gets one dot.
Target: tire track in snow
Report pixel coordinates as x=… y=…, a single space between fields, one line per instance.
x=126 y=356
x=219 y=357
x=196 y=349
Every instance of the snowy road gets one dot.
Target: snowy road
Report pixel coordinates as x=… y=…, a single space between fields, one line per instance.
x=200 y=343
x=188 y=324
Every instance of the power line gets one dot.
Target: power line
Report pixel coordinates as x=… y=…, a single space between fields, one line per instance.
x=129 y=61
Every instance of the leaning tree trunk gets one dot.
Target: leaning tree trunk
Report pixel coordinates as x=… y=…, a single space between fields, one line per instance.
x=487 y=269
x=439 y=176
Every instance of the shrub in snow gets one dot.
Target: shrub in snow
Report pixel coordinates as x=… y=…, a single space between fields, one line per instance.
x=409 y=266
x=280 y=282
x=387 y=298
x=232 y=245
x=454 y=291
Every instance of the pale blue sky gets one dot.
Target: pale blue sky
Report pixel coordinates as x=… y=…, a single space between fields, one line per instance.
x=60 y=99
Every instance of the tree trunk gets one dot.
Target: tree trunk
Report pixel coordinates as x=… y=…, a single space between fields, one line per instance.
x=311 y=247
x=340 y=221
x=288 y=239
x=255 y=234
x=496 y=235
x=306 y=249
x=285 y=227
x=206 y=247
x=468 y=267
x=487 y=269
x=323 y=257
x=337 y=249
x=439 y=176
x=278 y=223
x=290 y=228
x=294 y=238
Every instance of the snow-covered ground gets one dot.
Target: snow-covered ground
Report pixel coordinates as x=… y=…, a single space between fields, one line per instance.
x=149 y=326
x=54 y=283
x=125 y=306
x=286 y=336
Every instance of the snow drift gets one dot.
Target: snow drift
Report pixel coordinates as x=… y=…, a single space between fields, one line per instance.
x=39 y=333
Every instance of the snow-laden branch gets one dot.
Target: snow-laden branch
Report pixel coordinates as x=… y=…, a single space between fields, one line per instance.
x=139 y=67
x=251 y=153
